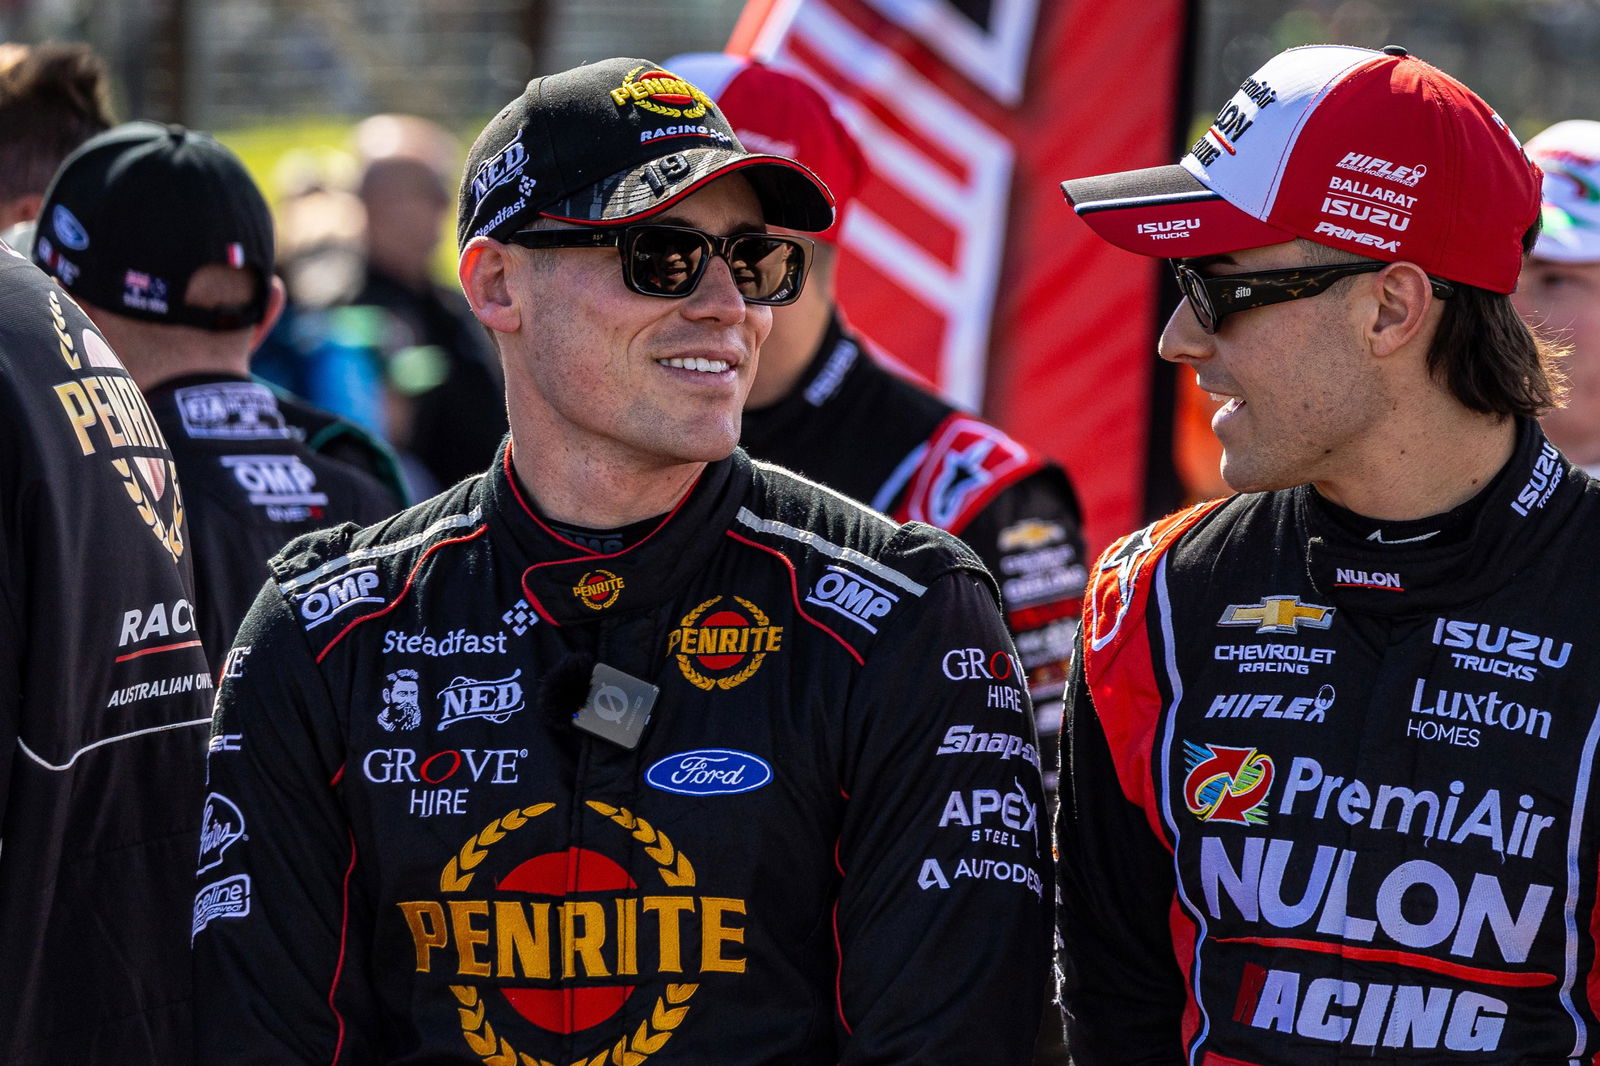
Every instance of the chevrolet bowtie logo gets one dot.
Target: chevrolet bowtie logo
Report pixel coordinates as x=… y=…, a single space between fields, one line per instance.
x=1277 y=614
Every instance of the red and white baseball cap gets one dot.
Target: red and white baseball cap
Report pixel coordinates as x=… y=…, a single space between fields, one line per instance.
x=1375 y=153
x=1569 y=155
x=777 y=113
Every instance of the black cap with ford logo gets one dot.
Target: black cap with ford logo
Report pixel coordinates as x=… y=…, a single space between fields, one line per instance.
x=612 y=142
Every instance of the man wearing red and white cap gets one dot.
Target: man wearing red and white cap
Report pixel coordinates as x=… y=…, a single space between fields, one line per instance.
x=825 y=405
x=1560 y=286
x=1328 y=786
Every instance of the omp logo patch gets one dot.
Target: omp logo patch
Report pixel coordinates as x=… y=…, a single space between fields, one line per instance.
x=848 y=593
x=722 y=647
x=1277 y=614
x=1226 y=784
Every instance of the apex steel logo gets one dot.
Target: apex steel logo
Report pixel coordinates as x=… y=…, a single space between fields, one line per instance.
x=564 y=938
x=1226 y=784
x=1277 y=614
x=721 y=648
x=661 y=92
x=598 y=589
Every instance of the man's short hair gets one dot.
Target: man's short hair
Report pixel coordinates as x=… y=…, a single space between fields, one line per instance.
x=53 y=97
x=1482 y=350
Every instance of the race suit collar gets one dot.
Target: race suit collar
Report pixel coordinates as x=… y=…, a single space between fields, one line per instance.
x=566 y=583
x=822 y=380
x=1477 y=548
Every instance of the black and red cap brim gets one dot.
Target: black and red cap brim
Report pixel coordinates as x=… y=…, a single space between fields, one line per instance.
x=791 y=195
x=1166 y=212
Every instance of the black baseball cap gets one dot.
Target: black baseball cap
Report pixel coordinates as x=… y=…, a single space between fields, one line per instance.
x=137 y=210
x=612 y=142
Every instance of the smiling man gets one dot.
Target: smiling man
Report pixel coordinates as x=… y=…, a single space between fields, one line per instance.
x=630 y=749
x=1330 y=741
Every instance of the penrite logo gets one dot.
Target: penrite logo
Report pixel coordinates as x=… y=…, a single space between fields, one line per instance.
x=598 y=589
x=661 y=92
x=720 y=649
x=1277 y=614
x=1226 y=784
x=564 y=938
x=323 y=602
x=110 y=404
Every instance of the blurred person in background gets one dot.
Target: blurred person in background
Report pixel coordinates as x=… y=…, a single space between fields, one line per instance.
x=53 y=97
x=1559 y=291
x=824 y=405
x=163 y=238
x=446 y=404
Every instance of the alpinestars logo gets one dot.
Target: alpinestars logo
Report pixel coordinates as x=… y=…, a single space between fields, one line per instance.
x=1226 y=784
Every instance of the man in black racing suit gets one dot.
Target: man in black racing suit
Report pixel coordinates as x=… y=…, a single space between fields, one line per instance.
x=104 y=693
x=1328 y=791
x=741 y=772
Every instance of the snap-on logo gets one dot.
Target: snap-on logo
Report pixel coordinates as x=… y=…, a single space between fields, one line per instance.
x=709 y=772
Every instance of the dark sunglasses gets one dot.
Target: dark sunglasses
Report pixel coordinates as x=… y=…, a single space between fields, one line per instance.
x=670 y=260
x=1214 y=298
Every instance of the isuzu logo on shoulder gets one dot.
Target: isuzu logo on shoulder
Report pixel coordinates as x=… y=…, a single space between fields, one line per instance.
x=709 y=772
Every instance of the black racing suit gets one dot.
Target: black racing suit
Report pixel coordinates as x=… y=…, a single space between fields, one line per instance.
x=103 y=700
x=252 y=484
x=861 y=428
x=1330 y=787
x=825 y=849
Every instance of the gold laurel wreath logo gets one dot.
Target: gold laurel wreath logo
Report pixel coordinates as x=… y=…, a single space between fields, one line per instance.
x=686 y=663
x=169 y=534
x=670 y=1008
x=640 y=93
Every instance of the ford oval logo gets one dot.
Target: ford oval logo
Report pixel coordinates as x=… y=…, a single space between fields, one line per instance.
x=69 y=231
x=709 y=772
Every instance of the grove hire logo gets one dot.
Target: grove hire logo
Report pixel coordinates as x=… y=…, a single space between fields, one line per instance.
x=565 y=938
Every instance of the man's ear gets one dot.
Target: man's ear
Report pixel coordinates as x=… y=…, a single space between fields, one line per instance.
x=277 y=297
x=485 y=271
x=1404 y=306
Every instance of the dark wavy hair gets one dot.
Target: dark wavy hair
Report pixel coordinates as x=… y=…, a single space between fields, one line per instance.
x=1483 y=351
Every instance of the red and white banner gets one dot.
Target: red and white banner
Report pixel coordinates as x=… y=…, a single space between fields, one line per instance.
x=961 y=258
